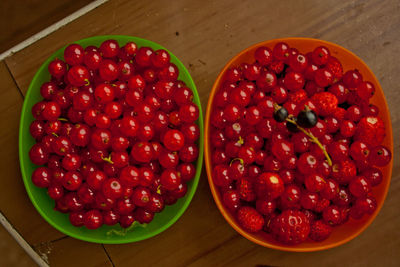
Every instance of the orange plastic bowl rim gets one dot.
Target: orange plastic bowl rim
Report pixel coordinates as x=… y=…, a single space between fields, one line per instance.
x=341 y=234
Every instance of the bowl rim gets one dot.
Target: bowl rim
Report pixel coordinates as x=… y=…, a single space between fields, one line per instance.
x=199 y=162
x=207 y=153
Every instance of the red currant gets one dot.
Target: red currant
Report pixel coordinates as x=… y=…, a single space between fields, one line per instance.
x=74 y=54
x=359 y=186
x=380 y=156
x=320 y=55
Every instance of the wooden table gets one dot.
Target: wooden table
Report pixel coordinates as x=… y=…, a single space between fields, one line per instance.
x=31 y=16
x=205 y=35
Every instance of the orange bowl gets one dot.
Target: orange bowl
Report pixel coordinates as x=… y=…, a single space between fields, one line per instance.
x=343 y=233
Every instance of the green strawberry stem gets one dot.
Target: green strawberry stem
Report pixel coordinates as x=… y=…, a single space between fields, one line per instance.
x=312 y=139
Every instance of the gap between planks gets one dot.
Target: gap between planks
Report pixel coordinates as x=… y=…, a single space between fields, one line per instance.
x=21 y=241
x=108 y=255
x=15 y=82
x=3 y=220
x=52 y=28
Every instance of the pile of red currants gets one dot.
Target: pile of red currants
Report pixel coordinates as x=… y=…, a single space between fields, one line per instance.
x=116 y=134
x=296 y=144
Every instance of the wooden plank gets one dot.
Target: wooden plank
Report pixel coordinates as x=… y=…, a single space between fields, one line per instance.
x=14 y=202
x=210 y=33
x=72 y=252
x=12 y=253
x=22 y=20
x=223 y=256
x=21 y=241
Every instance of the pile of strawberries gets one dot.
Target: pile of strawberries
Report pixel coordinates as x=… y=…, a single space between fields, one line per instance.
x=116 y=134
x=296 y=145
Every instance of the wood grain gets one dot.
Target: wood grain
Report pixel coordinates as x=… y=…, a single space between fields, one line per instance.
x=12 y=253
x=14 y=202
x=210 y=33
x=72 y=252
x=27 y=17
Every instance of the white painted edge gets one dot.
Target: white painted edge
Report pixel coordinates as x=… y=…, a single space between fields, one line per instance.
x=28 y=249
x=3 y=220
x=51 y=28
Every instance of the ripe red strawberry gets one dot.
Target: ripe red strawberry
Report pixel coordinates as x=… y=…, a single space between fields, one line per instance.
x=320 y=231
x=370 y=130
x=245 y=189
x=335 y=67
x=290 y=227
x=326 y=103
x=250 y=219
x=298 y=96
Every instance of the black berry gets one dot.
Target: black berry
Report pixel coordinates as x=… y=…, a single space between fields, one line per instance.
x=292 y=127
x=281 y=114
x=307 y=118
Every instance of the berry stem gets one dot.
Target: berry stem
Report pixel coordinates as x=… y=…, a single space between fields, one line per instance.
x=107 y=159
x=239 y=159
x=312 y=139
x=124 y=231
x=240 y=141
x=159 y=190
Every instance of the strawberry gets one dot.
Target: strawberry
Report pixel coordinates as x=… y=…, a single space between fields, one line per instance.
x=245 y=189
x=335 y=67
x=370 y=130
x=290 y=227
x=250 y=219
x=320 y=231
x=298 y=96
x=326 y=103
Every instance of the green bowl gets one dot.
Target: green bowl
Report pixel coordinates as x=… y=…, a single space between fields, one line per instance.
x=45 y=205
